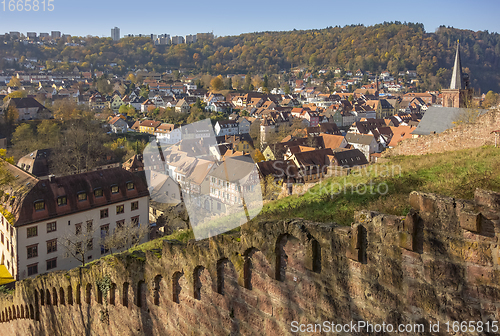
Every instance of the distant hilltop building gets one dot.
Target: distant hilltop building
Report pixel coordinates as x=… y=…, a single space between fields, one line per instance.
x=55 y=34
x=115 y=34
x=190 y=38
x=177 y=39
x=459 y=94
x=166 y=39
x=163 y=39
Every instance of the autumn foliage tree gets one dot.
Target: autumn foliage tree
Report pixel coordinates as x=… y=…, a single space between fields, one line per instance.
x=217 y=83
x=66 y=110
x=14 y=81
x=15 y=94
x=490 y=100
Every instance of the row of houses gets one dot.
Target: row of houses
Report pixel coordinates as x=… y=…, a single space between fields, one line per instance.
x=217 y=182
x=167 y=133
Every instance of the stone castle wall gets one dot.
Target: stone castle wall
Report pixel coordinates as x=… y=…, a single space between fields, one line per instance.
x=462 y=136
x=439 y=263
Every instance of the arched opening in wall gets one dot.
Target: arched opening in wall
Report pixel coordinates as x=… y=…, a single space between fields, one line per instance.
x=140 y=293
x=61 y=296
x=221 y=264
x=88 y=294
x=112 y=293
x=316 y=256
x=22 y=311
x=99 y=295
x=26 y=312
x=125 y=294
x=36 y=298
x=47 y=297
x=32 y=312
x=78 y=294
x=3 y=317
x=247 y=268
x=42 y=297
x=54 y=296
x=176 y=287
x=281 y=257
x=156 y=290
x=70 y=295
x=197 y=282
x=293 y=246
x=10 y=314
x=18 y=312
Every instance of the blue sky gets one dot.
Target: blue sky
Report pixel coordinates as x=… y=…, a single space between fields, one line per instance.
x=224 y=17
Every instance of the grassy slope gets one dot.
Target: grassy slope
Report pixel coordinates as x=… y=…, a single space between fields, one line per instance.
x=455 y=174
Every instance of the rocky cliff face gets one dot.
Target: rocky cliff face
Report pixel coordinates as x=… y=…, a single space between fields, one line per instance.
x=439 y=263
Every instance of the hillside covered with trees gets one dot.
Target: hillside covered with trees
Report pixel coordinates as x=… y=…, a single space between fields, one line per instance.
x=392 y=46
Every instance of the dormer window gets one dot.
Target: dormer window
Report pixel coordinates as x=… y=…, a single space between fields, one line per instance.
x=40 y=205
x=98 y=192
x=62 y=200
x=130 y=185
x=82 y=196
x=114 y=189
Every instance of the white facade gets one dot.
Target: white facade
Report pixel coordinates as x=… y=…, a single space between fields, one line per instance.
x=60 y=259
x=169 y=138
x=191 y=38
x=225 y=128
x=177 y=39
x=78 y=208
x=120 y=126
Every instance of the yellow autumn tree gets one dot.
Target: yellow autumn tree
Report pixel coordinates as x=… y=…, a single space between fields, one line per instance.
x=217 y=83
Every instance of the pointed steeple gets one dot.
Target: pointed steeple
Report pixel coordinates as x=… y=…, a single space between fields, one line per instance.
x=456 y=77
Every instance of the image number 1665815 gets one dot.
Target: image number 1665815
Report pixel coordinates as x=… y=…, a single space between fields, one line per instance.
x=27 y=5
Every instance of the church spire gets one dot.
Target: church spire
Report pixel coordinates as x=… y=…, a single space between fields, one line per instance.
x=456 y=77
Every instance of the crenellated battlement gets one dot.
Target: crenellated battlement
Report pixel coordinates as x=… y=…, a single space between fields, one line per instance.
x=438 y=263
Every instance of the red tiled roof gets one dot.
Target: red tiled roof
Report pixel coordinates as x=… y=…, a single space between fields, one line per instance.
x=150 y=123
